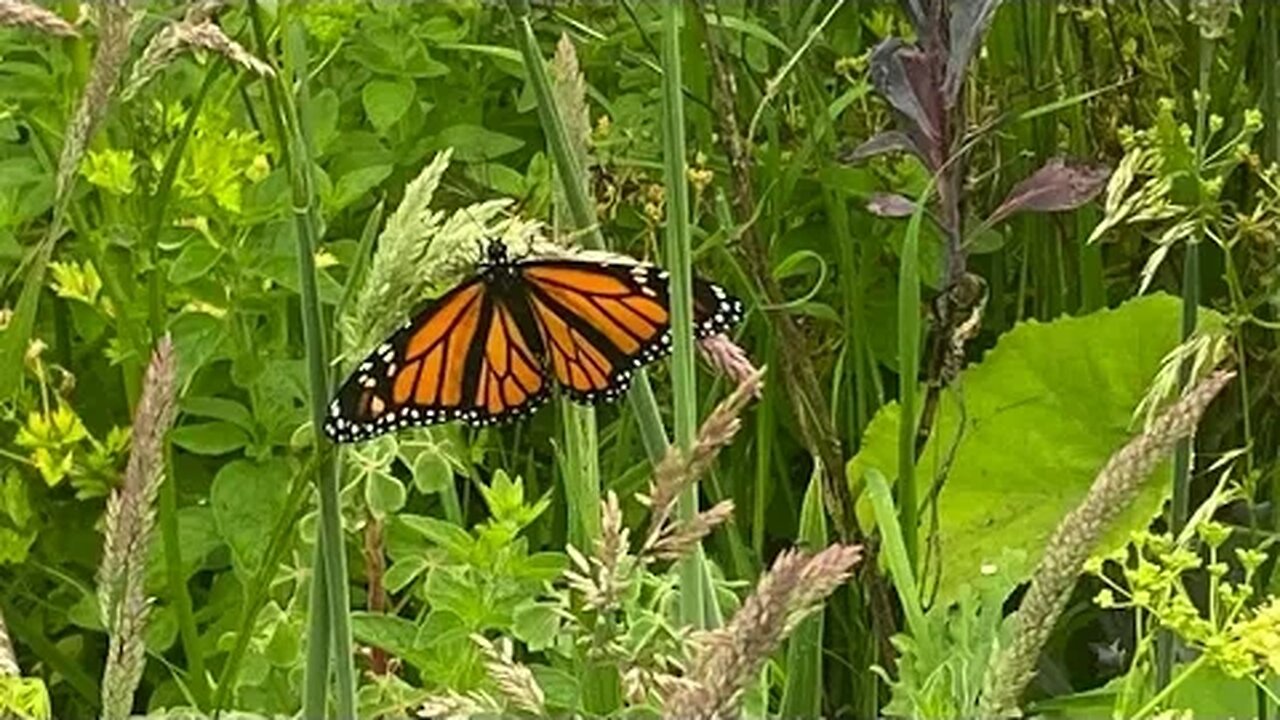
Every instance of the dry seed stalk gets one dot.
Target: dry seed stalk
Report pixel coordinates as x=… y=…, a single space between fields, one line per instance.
x=1072 y=542
x=727 y=659
x=130 y=516
x=677 y=470
x=115 y=28
x=16 y=13
x=515 y=681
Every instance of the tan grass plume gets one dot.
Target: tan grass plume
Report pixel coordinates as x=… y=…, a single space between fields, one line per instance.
x=130 y=517
x=1074 y=539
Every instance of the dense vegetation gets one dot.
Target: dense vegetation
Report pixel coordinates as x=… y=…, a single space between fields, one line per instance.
x=1011 y=279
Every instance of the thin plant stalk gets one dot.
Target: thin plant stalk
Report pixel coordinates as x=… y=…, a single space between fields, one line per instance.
x=601 y=685
x=197 y=678
x=333 y=626
x=679 y=264
x=909 y=369
x=1179 y=506
x=582 y=212
x=581 y=432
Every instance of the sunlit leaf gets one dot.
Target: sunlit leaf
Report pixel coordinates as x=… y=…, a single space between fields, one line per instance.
x=1042 y=412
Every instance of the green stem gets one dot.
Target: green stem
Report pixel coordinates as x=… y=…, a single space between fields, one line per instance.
x=908 y=374
x=679 y=264
x=1180 y=504
x=315 y=679
x=581 y=210
x=180 y=595
x=1168 y=690
x=336 y=622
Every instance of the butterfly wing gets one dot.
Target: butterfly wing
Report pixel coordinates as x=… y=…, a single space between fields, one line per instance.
x=463 y=357
x=599 y=321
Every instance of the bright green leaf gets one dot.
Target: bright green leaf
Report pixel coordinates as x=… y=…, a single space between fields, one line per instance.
x=432 y=472
x=214 y=438
x=1043 y=411
x=384 y=493
x=386 y=101
x=195 y=260
x=472 y=143
x=248 y=499
x=356 y=184
x=536 y=624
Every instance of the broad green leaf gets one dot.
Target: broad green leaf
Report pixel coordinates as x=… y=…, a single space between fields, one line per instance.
x=322 y=118
x=161 y=629
x=356 y=184
x=214 y=438
x=473 y=143
x=195 y=260
x=562 y=688
x=536 y=624
x=197 y=538
x=386 y=101
x=219 y=409
x=404 y=571
x=445 y=534
x=1042 y=413
x=393 y=634
x=247 y=499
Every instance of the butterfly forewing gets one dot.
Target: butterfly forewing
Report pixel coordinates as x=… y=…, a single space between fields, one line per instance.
x=460 y=358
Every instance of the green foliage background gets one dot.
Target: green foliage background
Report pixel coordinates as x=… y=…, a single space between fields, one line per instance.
x=466 y=530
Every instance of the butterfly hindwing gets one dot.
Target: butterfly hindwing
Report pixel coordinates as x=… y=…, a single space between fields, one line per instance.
x=600 y=321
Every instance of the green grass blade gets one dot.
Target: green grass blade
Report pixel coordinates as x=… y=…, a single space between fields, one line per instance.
x=582 y=211
x=679 y=259
x=336 y=623
x=908 y=372
x=894 y=550
x=802 y=693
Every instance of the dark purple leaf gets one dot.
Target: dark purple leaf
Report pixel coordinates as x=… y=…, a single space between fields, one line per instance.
x=969 y=21
x=903 y=75
x=887 y=141
x=1061 y=184
x=891 y=205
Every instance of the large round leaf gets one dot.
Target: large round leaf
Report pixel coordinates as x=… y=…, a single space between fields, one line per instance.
x=1041 y=414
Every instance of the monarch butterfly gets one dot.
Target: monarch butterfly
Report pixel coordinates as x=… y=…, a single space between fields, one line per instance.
x=485 y=351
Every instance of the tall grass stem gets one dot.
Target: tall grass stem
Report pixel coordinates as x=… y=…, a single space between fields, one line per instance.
x=336 y=622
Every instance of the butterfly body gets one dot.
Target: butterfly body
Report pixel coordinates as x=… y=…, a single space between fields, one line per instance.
x=488 y=350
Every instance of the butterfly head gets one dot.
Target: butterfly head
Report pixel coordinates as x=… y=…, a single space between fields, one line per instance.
x=495 y=254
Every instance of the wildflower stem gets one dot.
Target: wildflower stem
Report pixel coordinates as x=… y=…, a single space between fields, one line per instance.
x=643 y=402
x=331 y=627
x=678 y=260
x=1167 y=691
